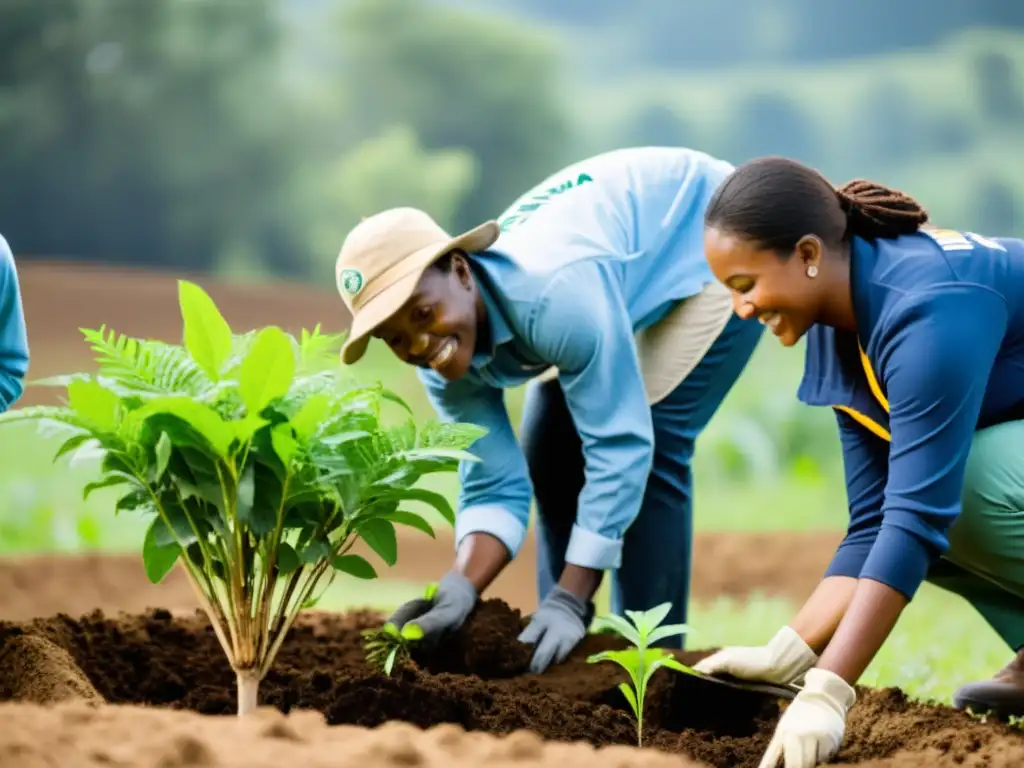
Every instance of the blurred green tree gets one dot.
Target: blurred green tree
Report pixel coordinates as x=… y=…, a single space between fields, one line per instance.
x=460 y=79
x=658 y=124
x=886 y=124
x=772 y=123
x=998 y=87
x=389 y=170
x=150 y=133
x=996 y=209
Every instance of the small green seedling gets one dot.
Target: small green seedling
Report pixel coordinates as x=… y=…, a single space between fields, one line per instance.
x=640 y=661
x=385 y=646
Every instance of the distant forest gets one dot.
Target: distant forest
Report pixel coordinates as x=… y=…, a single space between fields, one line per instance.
x=248 y=137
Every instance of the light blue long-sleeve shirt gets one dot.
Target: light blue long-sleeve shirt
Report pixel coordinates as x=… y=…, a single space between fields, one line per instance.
x=595 y=253
x=13 y=336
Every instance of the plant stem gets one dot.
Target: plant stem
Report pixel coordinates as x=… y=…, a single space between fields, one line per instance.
x=248 y=683
x=269 y=575
x=215 y=615
x=290 y=615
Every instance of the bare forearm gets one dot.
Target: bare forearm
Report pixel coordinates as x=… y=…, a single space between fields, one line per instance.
x=480 y=558
x=582 y=582
x=870 y=618
x=820 y=616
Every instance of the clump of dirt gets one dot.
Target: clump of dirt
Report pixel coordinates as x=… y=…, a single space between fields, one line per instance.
x=34 y=670
x=478 y=682
x=485 y=644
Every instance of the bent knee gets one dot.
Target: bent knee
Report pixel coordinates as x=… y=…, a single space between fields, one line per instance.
x=994 y=476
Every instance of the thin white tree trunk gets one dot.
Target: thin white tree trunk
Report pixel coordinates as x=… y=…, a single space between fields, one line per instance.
x=248 y=690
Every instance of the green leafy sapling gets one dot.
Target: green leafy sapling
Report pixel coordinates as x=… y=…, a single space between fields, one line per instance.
x=259 y=463
x=388 y=645
x=641 y=661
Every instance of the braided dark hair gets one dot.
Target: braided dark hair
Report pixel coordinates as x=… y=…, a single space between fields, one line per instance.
x=873 y=210
x=776 y=201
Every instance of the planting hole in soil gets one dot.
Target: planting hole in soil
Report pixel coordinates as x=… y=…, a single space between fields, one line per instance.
x=477 y=680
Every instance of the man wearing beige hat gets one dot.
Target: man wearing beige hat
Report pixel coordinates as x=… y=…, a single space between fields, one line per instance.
x=593 y=285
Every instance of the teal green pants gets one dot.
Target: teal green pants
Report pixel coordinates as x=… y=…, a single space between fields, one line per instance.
x=985 y=561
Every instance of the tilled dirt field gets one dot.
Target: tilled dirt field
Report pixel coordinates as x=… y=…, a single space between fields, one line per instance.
x=725 y=564
x=477 y=683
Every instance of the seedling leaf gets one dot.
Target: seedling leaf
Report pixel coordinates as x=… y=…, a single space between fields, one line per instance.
x=287 y=560
x=640 y=661
x=163 y=455
x=667 y=631
x=267 y=370
x=381 y=538
x=206 y=333
x=412 y=520
x=95 y=403
x=617 y=624
x=158 y=560
x=354 y=565
x=627 y=692
x=434 y=499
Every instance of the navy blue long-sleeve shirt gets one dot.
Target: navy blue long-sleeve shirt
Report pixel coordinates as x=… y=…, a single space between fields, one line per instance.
x=939 y=353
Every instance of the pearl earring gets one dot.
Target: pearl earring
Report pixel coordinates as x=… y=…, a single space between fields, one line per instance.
x=812 y=271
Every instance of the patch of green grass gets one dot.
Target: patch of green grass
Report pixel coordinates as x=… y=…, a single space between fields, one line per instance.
x=43 y=509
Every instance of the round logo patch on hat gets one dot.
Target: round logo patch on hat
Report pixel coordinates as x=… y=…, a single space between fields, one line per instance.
x=350 y=281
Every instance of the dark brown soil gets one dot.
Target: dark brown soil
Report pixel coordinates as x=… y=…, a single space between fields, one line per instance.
x=479 y=684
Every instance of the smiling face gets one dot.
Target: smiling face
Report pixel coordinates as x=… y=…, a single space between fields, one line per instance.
x=438 y=326
x=778 y=291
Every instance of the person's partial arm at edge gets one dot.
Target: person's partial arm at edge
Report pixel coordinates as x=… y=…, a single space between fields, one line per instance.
x=14 y=354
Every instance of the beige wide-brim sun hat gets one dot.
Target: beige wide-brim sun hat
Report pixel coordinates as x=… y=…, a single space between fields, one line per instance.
x=382 y=260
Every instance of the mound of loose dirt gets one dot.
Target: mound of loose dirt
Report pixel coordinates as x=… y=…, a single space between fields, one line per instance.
x=123 y=736
x=38 y=671
x=478 y=683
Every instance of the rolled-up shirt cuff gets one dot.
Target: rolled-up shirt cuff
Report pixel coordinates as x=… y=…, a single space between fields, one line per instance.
x=899 y=559
x=497 y=521
x=592 y=550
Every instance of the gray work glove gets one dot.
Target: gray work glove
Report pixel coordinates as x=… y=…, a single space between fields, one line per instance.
x=455 y=599
x=557 y=626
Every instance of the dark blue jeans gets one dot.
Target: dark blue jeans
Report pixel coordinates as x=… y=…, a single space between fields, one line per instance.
x=656 y=554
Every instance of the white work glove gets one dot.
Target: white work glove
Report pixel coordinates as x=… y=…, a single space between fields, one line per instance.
x=783 y=660
x=811 y=729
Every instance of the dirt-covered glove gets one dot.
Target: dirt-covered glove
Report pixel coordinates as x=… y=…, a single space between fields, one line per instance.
x=783 y=660
x=450 y=607
x=811 y=729
x=556 y=627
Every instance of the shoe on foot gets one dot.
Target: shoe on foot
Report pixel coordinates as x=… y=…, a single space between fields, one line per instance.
x=1002 y=696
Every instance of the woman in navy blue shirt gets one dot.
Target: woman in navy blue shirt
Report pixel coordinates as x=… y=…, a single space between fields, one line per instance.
x=915 y=337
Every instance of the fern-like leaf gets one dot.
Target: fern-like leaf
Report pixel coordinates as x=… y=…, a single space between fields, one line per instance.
x=146 y=367
x=44 y=413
